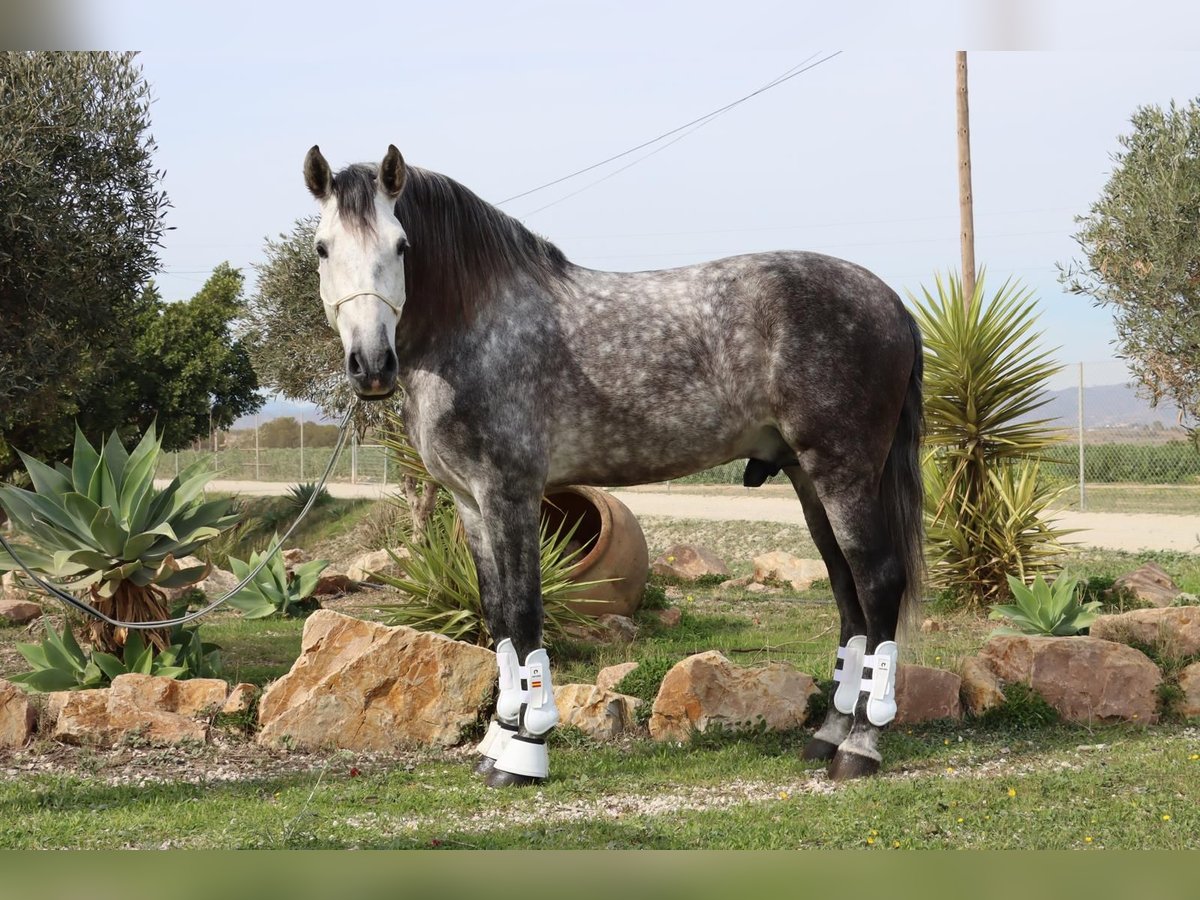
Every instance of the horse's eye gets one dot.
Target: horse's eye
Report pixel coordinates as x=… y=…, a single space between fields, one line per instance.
x=322 y=252
x=401 y=246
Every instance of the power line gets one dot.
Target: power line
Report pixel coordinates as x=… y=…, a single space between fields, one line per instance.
x=800 y=69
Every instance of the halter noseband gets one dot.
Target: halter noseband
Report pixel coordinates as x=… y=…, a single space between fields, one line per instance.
x=331 y=309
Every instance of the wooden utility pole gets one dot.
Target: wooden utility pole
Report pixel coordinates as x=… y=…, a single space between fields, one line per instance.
x=965 y=205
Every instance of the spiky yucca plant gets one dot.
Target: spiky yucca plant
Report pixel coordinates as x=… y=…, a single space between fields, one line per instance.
x=100 y=525
x=440 y=584
x=985 y=377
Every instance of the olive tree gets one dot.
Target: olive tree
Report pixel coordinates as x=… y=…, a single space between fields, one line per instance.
x=1141 y=248
x=81 y=216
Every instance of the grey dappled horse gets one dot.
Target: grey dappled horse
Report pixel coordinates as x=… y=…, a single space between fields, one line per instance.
x=522 y=371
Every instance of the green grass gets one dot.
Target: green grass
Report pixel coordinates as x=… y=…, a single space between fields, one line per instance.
x=722 y=790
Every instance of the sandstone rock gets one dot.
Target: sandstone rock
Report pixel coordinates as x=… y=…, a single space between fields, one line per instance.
x=707 y=689
x=757 y=587
x=334 y=583
x=611 y=676
x=924 y=694
x=689 y=562
x=295 y=556
x=362 y=686
x=780 y=566
x=190 y=697
x=1176 y=629
x=368 y=566
x=217 y=584
x=601 y=714
x=17 y=716
x=734 y=585
x=18 y=612
x=607 y=629
x=930 y=626
x=153 y=708
x=240 y=698
x=1085 y=678
x=669 y=618
x=981 y=689
x=1150 y=584
x=1189 y=683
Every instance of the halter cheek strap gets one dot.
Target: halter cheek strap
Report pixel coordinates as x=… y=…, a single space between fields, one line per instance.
x=331 y=309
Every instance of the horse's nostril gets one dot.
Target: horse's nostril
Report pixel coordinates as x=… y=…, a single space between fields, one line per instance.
x=354 y=364
x=390 y=365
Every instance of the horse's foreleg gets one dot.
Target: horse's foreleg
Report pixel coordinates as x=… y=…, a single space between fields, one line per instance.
x=510 y=527
x=509 y=695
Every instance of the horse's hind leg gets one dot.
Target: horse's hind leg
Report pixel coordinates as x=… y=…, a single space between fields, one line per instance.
x=840 y=716
x=850 y=496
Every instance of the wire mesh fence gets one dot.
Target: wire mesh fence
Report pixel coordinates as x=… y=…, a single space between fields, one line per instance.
x=1118 y=453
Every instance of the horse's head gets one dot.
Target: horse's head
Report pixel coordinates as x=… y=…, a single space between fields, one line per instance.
x=360 y=247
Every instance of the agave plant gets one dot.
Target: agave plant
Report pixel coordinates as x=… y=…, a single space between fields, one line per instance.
x=274 y=590
x=60 y=664
x=1053 y=610
x=100 y=526
x=985 y=376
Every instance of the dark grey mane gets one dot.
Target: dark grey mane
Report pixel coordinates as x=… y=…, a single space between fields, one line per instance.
x=462 y=250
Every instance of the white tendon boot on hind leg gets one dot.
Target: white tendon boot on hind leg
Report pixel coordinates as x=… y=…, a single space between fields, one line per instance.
x=524 y=760
x=847 y=675
x=508 y=708
x=858 y=754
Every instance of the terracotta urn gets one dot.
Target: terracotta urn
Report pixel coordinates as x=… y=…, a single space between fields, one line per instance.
x=614 y=547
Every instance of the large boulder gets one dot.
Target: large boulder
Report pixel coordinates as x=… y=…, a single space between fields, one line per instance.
x=1189 y=683
x=707 y=689
x=1085 y=679
x=153 y=708
x=1176 y=629
x=363 y=686
x=780 y=566
x=17 y=716
x=925 y=694
x=1150 y=584
x=689 y=562
x=604 y=715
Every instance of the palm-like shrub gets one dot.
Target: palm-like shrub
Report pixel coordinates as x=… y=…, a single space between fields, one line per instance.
x=985 y=380
x=100 y=526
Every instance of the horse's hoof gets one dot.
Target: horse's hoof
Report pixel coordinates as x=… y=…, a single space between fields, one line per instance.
x=819 y=749
x=498 y=778
x=846 y=765
x=484 y=765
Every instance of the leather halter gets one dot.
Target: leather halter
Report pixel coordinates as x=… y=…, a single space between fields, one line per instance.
x=331 y=309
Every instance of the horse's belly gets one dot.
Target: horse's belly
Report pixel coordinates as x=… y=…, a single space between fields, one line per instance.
x=613 y=459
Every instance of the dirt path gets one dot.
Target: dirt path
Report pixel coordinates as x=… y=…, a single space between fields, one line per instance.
x=773 y=503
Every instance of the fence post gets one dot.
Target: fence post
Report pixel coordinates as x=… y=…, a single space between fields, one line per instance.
x=257 y=465
x=302 y=446
x=1082 y=489
x=353 y=457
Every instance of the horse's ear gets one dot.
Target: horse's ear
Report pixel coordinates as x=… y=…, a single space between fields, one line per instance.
x=392 y=173
x=317 y=176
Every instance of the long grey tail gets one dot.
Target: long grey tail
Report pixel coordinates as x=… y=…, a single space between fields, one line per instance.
x=903 y=492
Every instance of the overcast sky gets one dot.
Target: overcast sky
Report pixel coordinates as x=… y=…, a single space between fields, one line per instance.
x=855 y=157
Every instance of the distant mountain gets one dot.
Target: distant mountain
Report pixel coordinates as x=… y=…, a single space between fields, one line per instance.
x=1109 y=406
x=278 y=408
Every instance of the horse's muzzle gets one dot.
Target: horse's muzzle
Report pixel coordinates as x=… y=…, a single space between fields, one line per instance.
x=372 y=373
